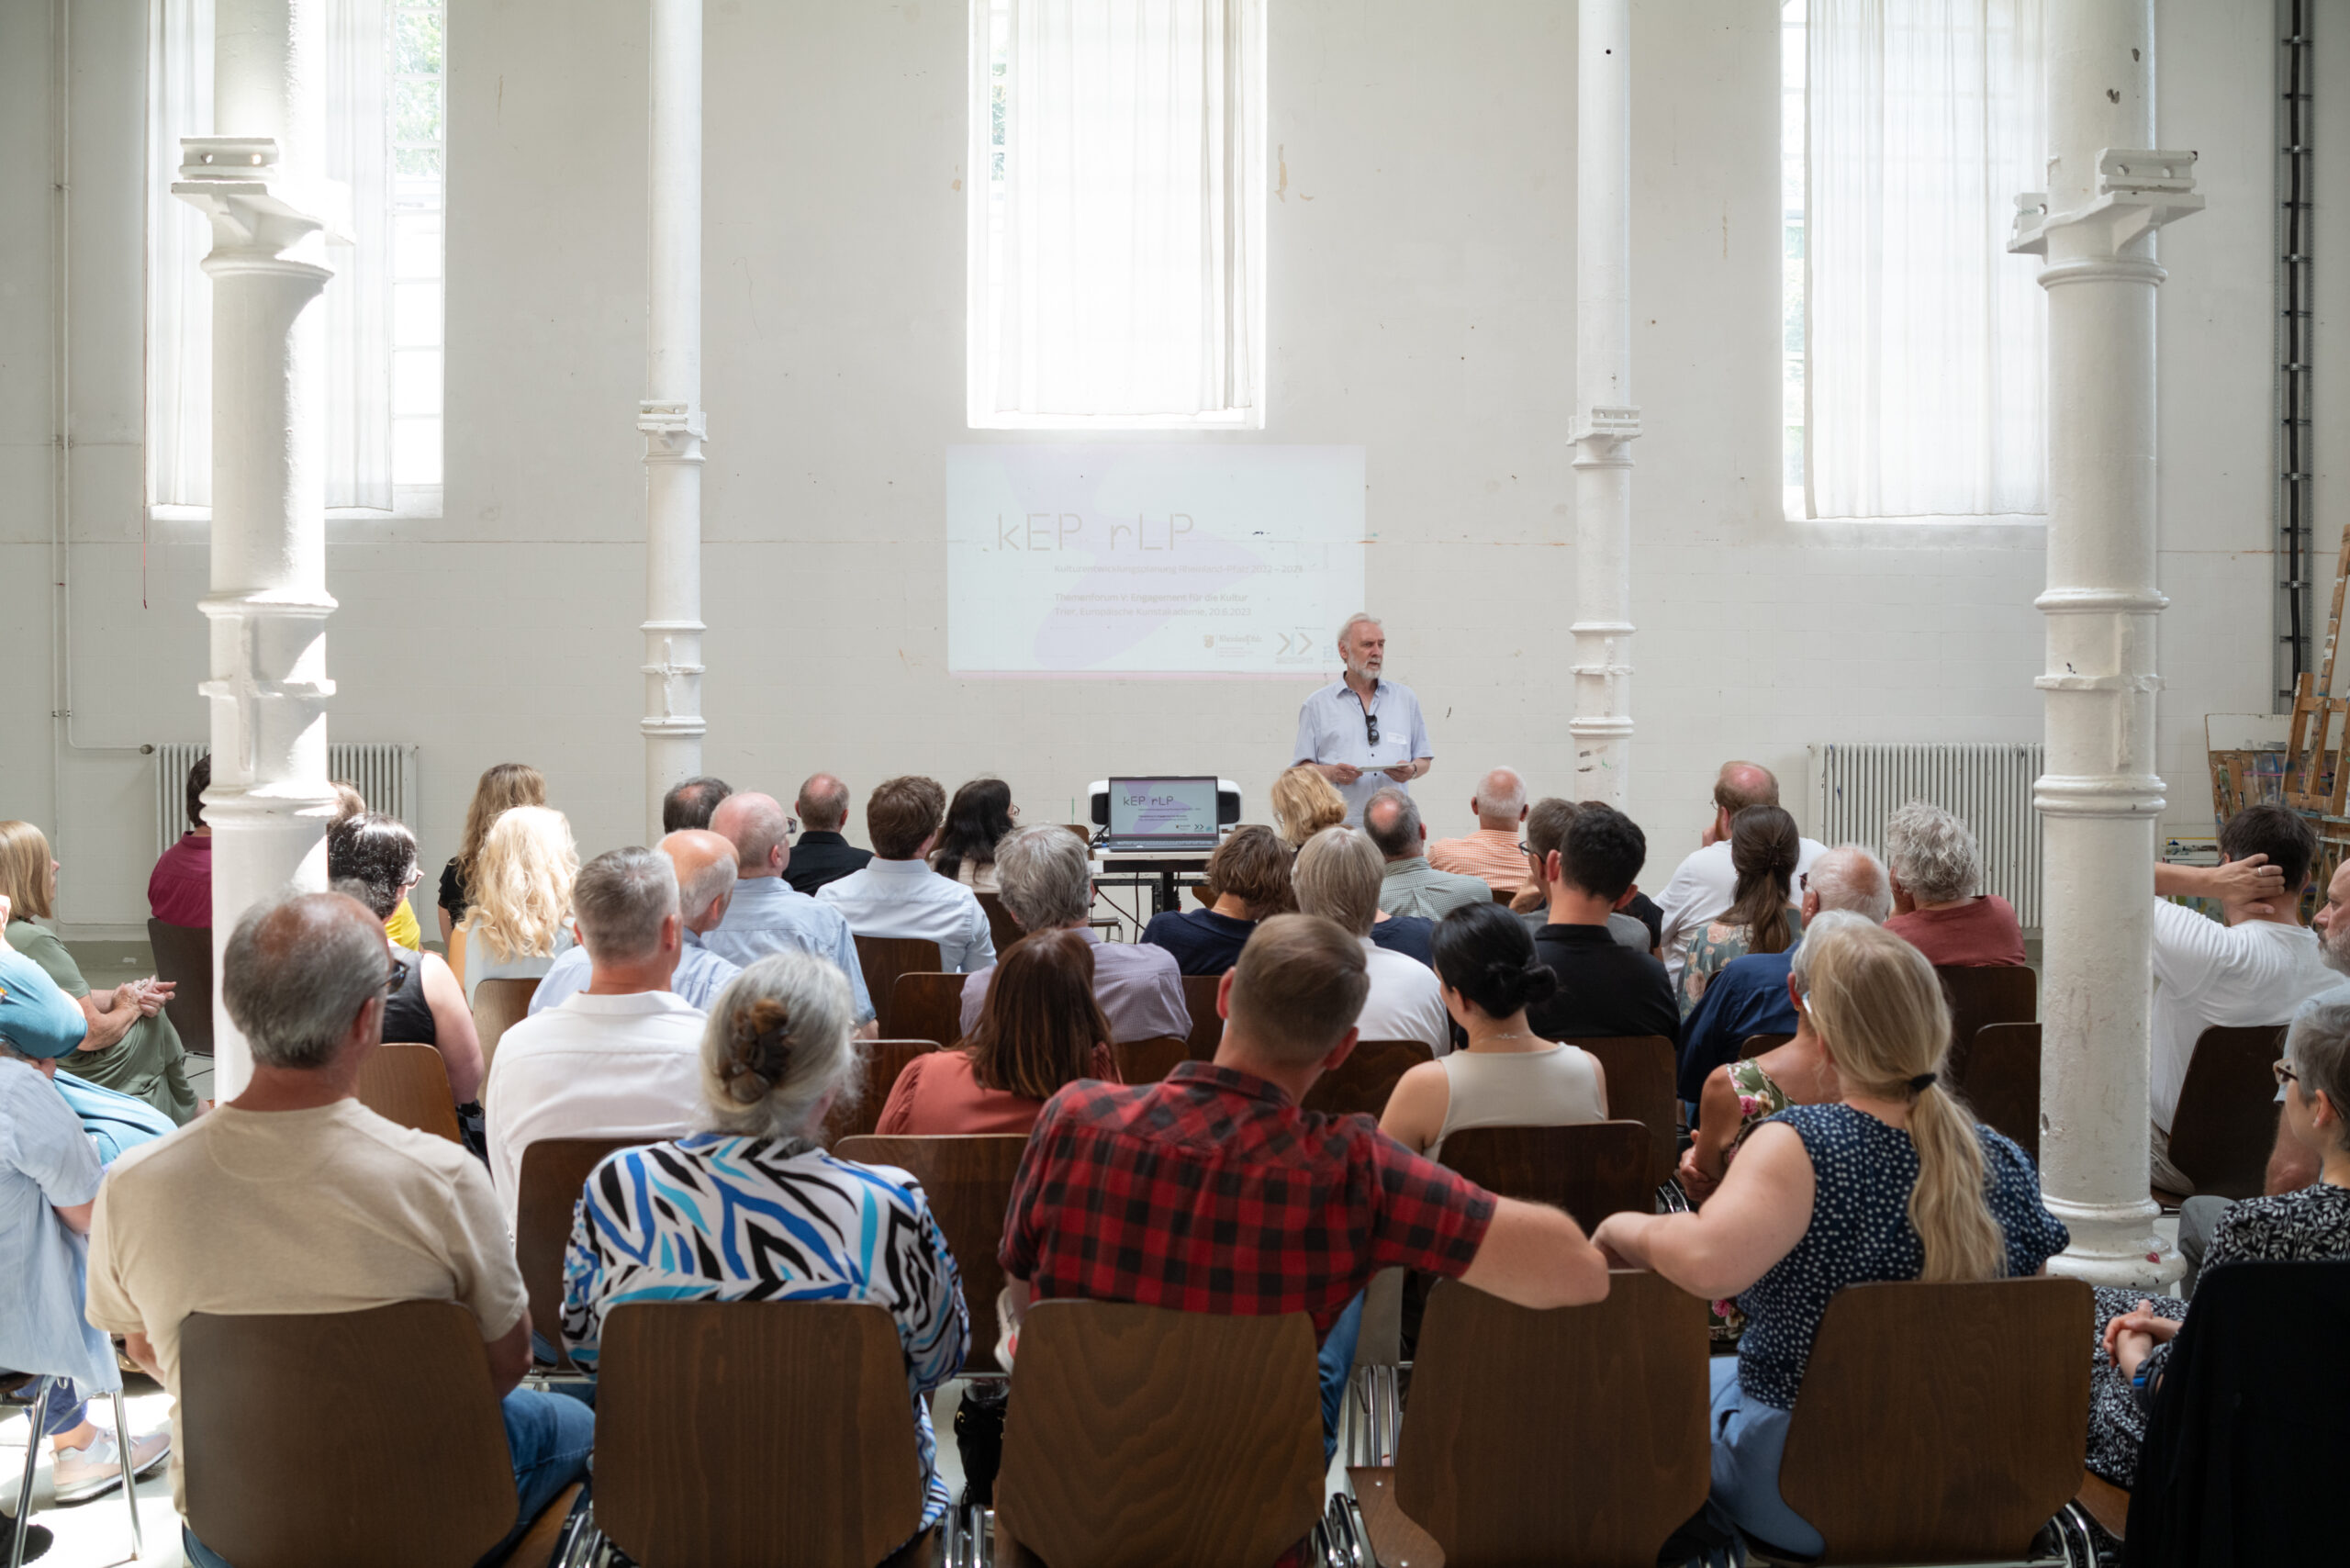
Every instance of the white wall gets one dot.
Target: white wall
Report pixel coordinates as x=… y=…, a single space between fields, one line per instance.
x=1421 y=305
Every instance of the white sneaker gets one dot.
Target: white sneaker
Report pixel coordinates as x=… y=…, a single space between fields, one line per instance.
x=81 y=1474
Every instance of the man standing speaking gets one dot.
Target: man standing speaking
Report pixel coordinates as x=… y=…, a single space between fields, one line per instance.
x=1360 y=732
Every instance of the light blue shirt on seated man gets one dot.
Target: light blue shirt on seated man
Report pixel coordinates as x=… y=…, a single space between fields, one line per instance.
x=906 y=898
x=701 y=975
x=768 y=915
x=1334 y=726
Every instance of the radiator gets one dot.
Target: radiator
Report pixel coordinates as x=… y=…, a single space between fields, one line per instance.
x=383 y=771
x=1986 y=787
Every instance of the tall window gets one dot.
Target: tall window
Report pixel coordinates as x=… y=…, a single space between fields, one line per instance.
x=1916 y=371
x=1117 y=212
x=383 y=158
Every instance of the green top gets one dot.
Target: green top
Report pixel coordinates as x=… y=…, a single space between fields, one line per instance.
x=149 y=1063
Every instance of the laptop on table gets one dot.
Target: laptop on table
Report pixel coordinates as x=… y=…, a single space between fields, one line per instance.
x=1167 y=816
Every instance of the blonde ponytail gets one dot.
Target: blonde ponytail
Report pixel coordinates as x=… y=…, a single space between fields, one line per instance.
x=1880 y=1015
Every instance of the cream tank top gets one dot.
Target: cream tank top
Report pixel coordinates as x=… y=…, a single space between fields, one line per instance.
x=1559 y=1087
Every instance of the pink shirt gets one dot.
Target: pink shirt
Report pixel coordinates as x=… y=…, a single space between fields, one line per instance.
x=180 y=891
x=1979 y=933
x=936 y=1094
x=1489 y=853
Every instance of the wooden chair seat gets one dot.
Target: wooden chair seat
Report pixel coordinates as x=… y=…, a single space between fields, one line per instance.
x=1147 y=1061
x=967 y=1179
x=1591 y=1170
x=2226 y=1123
x=408 y=1083
x=883 y=1060
x=1639 y=1070
x=1981 y=995
x=927 y=1007
x=183 y=956
x=883 y=960
x=1002 y=930
x=1364 y=1080
x=555 y=1172
x=497 y=1006
x=2003 y=1082
x=2107 y=1504
x=1755 y=1044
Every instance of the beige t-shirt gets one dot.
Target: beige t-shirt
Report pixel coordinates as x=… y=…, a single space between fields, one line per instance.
x=328 y=1210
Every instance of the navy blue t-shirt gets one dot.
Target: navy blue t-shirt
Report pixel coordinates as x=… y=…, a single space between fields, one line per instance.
x=1203 y=942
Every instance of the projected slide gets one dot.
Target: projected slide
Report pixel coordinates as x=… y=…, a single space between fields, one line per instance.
x=1150 y=560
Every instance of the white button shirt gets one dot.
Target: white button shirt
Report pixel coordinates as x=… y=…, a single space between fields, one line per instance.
x=1701 y=891
x=2207 y=975
x=1331 y=728
x=1405 y=1002
x=906 y=898
x=593 y=1066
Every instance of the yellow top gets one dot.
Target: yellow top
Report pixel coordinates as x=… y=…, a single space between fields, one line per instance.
x=402 y=928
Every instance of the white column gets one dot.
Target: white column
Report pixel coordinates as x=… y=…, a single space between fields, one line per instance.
x=1606 y=420
x=671 y=415
x=257 y=181
x=2101 y=798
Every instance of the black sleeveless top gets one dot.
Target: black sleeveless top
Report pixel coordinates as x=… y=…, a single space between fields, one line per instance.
x=408 y=1017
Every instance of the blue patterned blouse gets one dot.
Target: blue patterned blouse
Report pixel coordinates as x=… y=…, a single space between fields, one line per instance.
x=714 y=1217
x=1862 y=1171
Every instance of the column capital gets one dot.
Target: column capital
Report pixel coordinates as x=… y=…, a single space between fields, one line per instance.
x=256 y=211
x=674 y=431
x=2138 y=191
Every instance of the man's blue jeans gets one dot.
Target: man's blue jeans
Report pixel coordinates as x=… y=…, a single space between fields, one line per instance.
x=1336 y=1360
x=549 y=1437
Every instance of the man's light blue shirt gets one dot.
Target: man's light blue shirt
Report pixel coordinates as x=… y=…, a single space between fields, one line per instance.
x=769 y=914
x=701 y=975
x=906 y=898
x=47 y=1162
x=1332 y=727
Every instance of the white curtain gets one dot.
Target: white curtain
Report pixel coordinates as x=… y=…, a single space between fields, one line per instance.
x=1133 y=176
x=1926 y=340
x=357 y=445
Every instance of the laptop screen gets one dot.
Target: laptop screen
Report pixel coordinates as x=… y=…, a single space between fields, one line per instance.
x=1162 y=808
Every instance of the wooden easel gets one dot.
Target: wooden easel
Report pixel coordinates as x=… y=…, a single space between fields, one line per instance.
x=2316 y=781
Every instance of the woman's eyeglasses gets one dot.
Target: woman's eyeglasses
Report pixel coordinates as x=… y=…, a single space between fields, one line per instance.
x=2284 y=1072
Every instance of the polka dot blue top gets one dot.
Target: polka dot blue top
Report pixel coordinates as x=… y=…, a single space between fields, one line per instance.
x=1862 y=1171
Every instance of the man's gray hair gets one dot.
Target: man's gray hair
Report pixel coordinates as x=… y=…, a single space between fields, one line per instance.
x=710 y=884
x=1849 y=877
x=1337 y=877
x=297 y=969
x=789 y=1011
x=1501 y=797
x=1392 y=823
x=2319 y=1049
x=1824 y=924
x=1043 y=877
x=1933 y=853
x=621 y=899
x=1346 y=627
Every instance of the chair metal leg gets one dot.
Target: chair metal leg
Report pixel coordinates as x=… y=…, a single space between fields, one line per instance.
x=40 y=1417
x=122 y=1442
x=1346 y=1545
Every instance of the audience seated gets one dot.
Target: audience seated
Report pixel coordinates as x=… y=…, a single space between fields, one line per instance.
x=294 y=1198
x=896 y=894
x=765 y=913
x=1607 y=987
x=1047 y=885
x=1761 y=918
x=1391 y=822
x=520 y=887
x=2256 y=969
x=1492 y=851
x=1507 y=1075
x=49 y=1176
x=1338 y=878
x=747 y=1207
x=686 y=807
x=618 y=1060
x=704 y=862
x=1748 y=995
x=821 y=854
x=1936 y=866
x=1304 y=802
x=977 y=819
x=372 y=857
x=1042 y=1028
x=400 y=925
x=1893 y=1183
x=1414 y=936
x=1546 y=835
x=1178 y=1194
x=131 y=1046
x=500 y=788
x=1248 y=876
x=2308 y=1226
x=179 y=891
x=1706 y=882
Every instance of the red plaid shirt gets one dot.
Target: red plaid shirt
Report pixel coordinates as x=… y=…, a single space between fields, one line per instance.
x=1212 y=1192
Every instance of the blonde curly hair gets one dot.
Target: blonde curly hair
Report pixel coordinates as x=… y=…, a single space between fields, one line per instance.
x=522 y=883
x=1305 y=803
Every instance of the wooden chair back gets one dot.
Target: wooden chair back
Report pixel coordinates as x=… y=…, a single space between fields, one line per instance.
x=1980 y=995
x=1755 y=1044
x=1147 y=1061
x=1142 y=1436
x=884 y=1059
x=927 y=1007
x=1504 y=895
x=555 y=1171
x=1365 y=1079
x=1207 y=1029
x=968 y=1181
x=1640 y=1088
x=2003 y=1082
x=1574 y=1436
x=499 y=1005
x=1002 y=930
x=183 y=956
x=1984 y=1442
x=2226 y=1121
x=709 y=1449
x=883 y=960
x=371 y=1439
x=410 y=1084
x=1591 y=1170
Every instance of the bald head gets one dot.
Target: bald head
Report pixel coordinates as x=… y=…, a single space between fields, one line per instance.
x=1392 y=823
x=1744 y=784
x=1500 y=801
x=705 y=863
x=823 y=803
x=759 y=830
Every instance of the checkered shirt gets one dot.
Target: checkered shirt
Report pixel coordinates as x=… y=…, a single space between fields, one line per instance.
x=1212 y=1192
